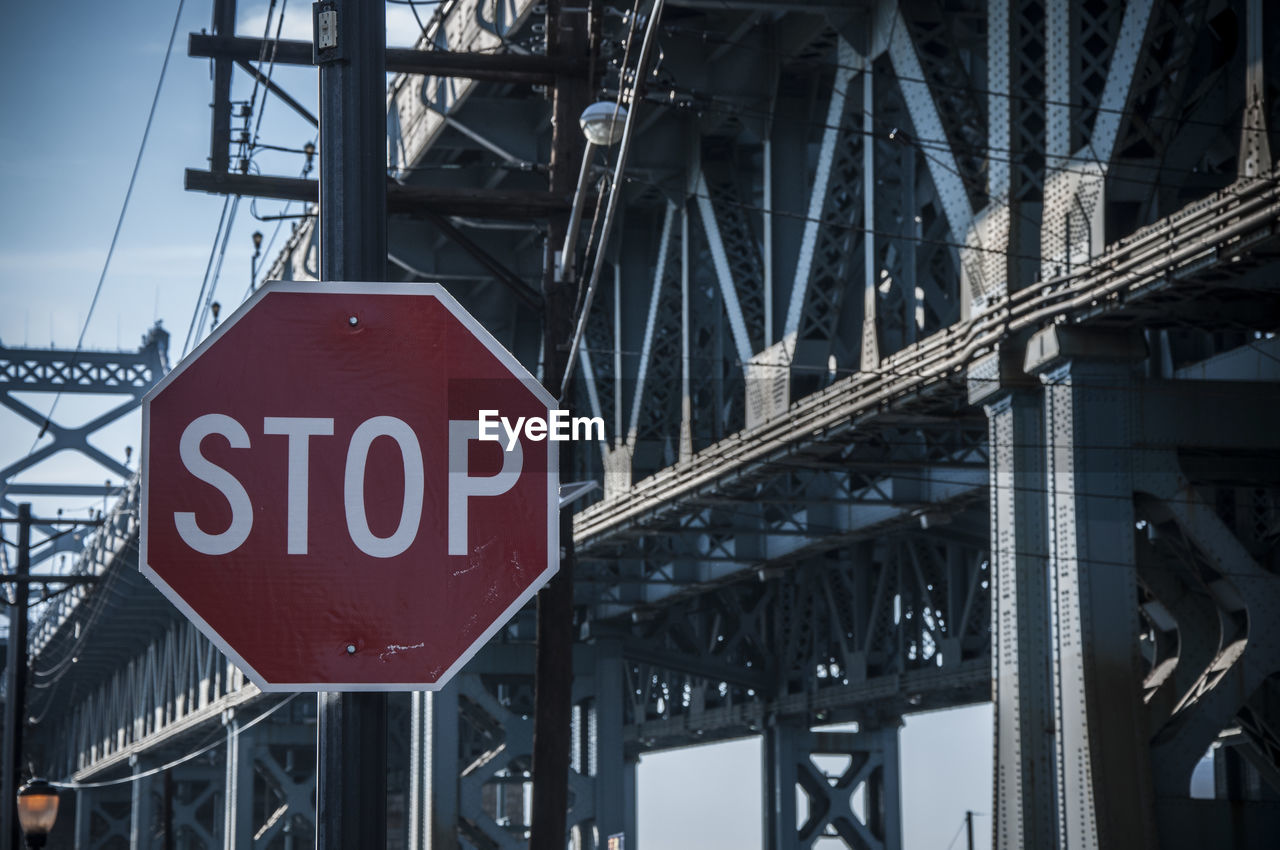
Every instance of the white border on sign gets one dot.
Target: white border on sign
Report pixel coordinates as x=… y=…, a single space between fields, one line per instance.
x=431 y=290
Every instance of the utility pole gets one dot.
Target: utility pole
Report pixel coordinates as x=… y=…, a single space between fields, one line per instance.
x=15 y=704
x=15 y=673
x=968 y=826
x=553 y=674
x=350 y=48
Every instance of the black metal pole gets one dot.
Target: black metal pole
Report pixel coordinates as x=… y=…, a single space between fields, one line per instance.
x=968 y=825
x=553 y=675
x=15 y=705
x=350 y=48
x=224 y=24
x=166 y=806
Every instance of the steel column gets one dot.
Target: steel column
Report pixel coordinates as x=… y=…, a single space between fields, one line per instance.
x=351 y=760
x=1104 y=794
x=869 y=357
x=15 y=702
x=434 y=769
x=84 y=818
x=142 y=807
x=1020 y=623
x=1255 y=148
x=237 y=812
x=613 y=773
x=831 y=814
x=781 y=742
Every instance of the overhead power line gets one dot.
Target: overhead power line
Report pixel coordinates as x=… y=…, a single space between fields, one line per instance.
x=124 y=208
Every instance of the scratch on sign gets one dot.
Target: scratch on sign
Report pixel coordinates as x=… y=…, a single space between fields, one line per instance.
x=394 y=648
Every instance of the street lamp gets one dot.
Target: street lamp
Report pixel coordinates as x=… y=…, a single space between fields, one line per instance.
x=602 y=123
x=37 y=811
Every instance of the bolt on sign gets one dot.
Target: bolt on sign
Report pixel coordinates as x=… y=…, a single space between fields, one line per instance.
x=316 y=497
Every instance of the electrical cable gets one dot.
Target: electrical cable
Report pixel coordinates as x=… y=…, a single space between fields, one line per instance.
x=255 y=283
x=101 y=598
x=224 y=246
x=195 y=316
x=946 y=146
x=1170 y=387
x=706 y=37
x=1194 y=567
x=632 y=19
x=580 y=319
x=736 y=110
x=921 y=240
x=952 y=842
x=275 y=44
x=180 y=760
x=124 y=207
x=217 y=269
x=888 y=474
x=245 y=147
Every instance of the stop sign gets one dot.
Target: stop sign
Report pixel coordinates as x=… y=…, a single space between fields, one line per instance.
x=316 y=496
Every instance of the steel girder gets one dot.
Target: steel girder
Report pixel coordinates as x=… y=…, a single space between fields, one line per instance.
x=29 y=370
x=865 y=633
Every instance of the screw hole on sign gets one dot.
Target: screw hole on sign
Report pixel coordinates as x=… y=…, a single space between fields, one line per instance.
x=351 y=649
x=353 y=321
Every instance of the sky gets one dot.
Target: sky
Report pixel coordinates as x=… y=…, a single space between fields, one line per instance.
x=76 y=84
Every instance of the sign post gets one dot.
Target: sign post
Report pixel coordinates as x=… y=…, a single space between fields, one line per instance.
x=349 y=46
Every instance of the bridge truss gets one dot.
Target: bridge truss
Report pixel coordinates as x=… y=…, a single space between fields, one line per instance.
x=936 y=349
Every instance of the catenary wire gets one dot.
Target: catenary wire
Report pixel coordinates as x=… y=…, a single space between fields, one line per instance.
x=220 y=741
x=229 y=204
x=707 y=36
x=922 y=240
x=946 y=146
x=124 y=208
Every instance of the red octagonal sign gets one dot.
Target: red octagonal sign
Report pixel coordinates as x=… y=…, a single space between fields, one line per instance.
x=316 y=497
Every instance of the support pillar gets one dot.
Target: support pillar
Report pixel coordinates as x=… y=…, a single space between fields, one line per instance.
x=142 y=810
x=434 y=769
x=237 y=808
x=103 y=817
x=869 y=356
x=781 y=742
x=1025 y=805
x=1255 y=150
x=1104 y=794
x=614 y=774
x=351 y=728
x=471 y=745
x=84 y=817
x=873 y=764
x=193 y=822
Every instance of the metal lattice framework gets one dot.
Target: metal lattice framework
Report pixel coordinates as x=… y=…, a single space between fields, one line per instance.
x=935 y=346
x=29 y=370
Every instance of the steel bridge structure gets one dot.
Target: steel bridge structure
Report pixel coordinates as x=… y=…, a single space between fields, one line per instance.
x=936 y=347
